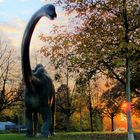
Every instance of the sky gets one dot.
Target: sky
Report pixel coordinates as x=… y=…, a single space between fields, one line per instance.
x=23 y=9
x=15 y=14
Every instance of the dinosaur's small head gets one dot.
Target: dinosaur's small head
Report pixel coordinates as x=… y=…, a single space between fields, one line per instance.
x=49 y=11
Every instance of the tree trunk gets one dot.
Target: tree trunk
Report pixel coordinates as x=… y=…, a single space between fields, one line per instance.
x=68 y=123
x=90 y=110
x=128 y=93
x=91 y=121
x=68 y=102
x=112 y=123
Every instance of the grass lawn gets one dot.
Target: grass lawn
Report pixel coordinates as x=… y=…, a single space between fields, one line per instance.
x=22 y=137
x=72 y=136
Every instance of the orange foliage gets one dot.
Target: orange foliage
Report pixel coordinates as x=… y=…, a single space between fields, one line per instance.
x=120 y=121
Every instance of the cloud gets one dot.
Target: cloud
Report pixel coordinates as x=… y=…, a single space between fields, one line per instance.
x=3 y=14
x=14 y=29
x=1 y=1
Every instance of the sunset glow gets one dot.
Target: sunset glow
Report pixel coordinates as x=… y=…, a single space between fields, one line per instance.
x=14 y=18
x=125 y=106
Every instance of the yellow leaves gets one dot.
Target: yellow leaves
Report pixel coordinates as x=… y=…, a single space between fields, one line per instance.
x=45 y=51
x=42 y=37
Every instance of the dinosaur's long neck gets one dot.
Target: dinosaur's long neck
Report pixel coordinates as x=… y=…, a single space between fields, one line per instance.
x=25 y=52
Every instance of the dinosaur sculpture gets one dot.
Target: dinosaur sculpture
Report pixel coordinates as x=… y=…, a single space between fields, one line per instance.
x=39 y=89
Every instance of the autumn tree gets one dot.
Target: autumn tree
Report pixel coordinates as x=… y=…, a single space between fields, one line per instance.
x=61 y=57
x=109 y=38
x=112 y=100
x=8 y=90
x=83 y=89
x=114 y=26
x=80 y=92
x=64 y=110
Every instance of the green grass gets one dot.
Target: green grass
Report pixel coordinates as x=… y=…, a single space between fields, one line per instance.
x=73 y=136
x=22 y=137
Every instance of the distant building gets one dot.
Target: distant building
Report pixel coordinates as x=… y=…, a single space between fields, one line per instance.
x=5 y=125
